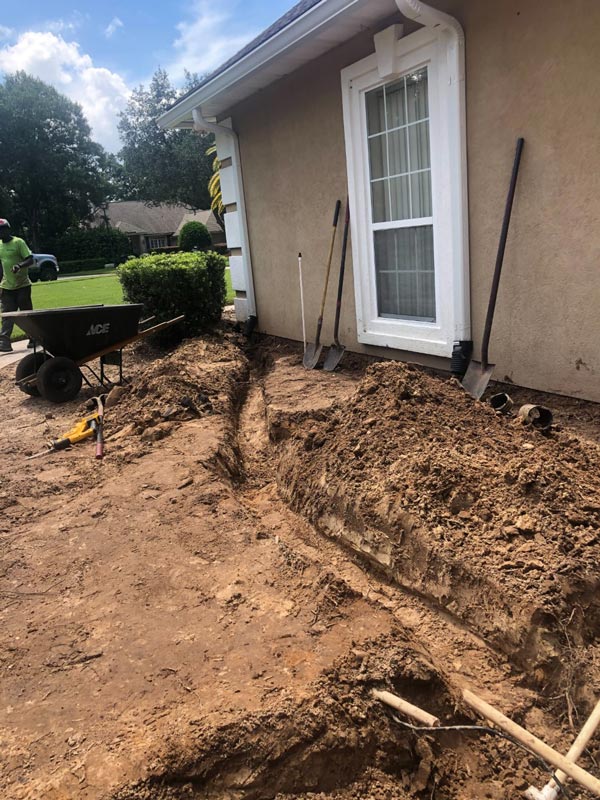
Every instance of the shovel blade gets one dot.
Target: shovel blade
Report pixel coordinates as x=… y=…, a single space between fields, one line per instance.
x=334 y=356
x=311 y=355
x=477 y=378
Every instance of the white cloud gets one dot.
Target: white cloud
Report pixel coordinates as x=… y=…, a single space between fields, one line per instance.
x=100 y=92
x=112 y=27
x=6 y=33
x=205 y=41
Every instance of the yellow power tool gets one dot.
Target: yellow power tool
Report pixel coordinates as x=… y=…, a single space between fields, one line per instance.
x=84 y=429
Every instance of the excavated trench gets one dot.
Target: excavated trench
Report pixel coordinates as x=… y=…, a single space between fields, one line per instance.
x=324 y=473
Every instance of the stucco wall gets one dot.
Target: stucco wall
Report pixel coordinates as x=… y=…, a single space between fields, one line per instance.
x=532 y=71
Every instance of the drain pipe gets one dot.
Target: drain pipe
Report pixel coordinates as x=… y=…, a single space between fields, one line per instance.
x=202 y=124
x=429 y=17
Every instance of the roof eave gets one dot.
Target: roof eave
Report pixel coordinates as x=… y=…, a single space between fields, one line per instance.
x=305 y=26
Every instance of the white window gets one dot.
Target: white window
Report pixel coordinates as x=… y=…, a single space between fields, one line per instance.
x=153 y=244
x=408 y=199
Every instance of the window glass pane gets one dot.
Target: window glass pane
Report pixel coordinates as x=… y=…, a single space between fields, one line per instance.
x=399 y=145
x=417 y=96
x=420 y=188
x=387 y=293
x=407 y=295
x=375 y=111
x=424 y=248
x=377 y=157
x=399 y=189
x=418 y=138
x=398 y=152
x=380 y=198
x=395 y=104
x=406 y=253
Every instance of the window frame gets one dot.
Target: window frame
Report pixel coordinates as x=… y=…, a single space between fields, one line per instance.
x=424 y=48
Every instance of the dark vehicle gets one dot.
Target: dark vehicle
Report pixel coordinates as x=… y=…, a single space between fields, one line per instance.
x=68 y=339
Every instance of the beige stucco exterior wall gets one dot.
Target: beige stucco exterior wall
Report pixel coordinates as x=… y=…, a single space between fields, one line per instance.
x=532 y=70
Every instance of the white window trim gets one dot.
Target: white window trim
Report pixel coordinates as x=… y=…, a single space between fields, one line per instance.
x=431 y=48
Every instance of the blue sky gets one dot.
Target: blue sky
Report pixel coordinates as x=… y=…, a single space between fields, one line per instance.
x=97 y=52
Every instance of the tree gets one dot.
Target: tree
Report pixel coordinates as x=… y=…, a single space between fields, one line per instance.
x=52 y=174
x=163 y=166
x=194 y=236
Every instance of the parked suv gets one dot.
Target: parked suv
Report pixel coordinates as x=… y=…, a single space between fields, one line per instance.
x=44 y=268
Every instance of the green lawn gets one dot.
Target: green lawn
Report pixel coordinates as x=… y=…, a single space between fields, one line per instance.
x=85 y=291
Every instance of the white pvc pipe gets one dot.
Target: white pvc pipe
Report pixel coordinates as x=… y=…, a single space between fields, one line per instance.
x=551 y=790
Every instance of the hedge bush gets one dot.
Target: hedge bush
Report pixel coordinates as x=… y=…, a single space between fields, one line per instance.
x=182 y=283
x=81 y=265
x=194 y=235
x=108 y=244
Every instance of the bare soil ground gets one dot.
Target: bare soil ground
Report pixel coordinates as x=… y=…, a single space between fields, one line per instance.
x=204 y=613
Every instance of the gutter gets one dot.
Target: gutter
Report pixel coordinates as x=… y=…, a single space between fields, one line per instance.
x=202 y=124
x=300 y=29
x=430 y=17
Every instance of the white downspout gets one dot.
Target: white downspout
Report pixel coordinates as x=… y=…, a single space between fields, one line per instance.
x=201 y=124
x=429 y=17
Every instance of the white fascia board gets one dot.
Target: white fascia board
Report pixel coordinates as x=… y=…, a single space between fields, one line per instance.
x=305 y=26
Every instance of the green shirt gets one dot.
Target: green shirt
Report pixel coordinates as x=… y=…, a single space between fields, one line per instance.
x=12 y=253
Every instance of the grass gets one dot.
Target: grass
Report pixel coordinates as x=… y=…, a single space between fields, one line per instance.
x=85 y=291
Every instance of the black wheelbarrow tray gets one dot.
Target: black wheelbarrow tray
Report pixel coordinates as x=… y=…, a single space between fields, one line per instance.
x=68 y=339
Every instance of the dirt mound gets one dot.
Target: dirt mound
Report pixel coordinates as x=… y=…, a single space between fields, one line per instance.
x=201 y=377
x=491 y=520
x=341 y=743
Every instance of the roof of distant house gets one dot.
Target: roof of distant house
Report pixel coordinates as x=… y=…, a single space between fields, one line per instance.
x=133 y=216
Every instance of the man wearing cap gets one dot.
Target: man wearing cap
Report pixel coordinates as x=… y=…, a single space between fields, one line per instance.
x=15 y=287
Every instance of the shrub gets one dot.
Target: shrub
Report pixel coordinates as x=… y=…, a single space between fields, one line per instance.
x=183 y=283
x=80 y=265
x=108 y=244
x=194 y=235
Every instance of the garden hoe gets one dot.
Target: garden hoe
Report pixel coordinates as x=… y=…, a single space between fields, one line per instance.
x=313 y=351
x=336 y=351
x=478 y=373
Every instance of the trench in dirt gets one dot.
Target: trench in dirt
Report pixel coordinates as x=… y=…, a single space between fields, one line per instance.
x=267 y=560
x=337 y=742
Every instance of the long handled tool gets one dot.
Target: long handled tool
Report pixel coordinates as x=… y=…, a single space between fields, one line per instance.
x=478 y=373
x=302 y=299
x=313 y=351
x=336 y=351
x=98 y=423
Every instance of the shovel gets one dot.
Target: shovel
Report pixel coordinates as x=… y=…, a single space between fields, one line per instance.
x=336 y=351
x=313 y=351
x=479 y=373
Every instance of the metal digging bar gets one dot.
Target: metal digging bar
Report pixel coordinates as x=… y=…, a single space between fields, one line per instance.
x=313 y=351
x=478 y=373
x=336 y=351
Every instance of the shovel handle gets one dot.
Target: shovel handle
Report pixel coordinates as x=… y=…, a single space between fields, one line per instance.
x=338 y=304
x=500 y=256
x=336 y=215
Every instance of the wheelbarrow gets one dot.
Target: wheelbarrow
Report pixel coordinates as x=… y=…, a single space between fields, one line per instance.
x=67 y=340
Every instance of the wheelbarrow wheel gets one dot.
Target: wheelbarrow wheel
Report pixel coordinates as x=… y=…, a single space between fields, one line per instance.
x=59 y=380
x=27 y=368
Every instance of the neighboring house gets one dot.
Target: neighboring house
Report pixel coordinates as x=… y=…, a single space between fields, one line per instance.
x=154 y=227
x=371 y=98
